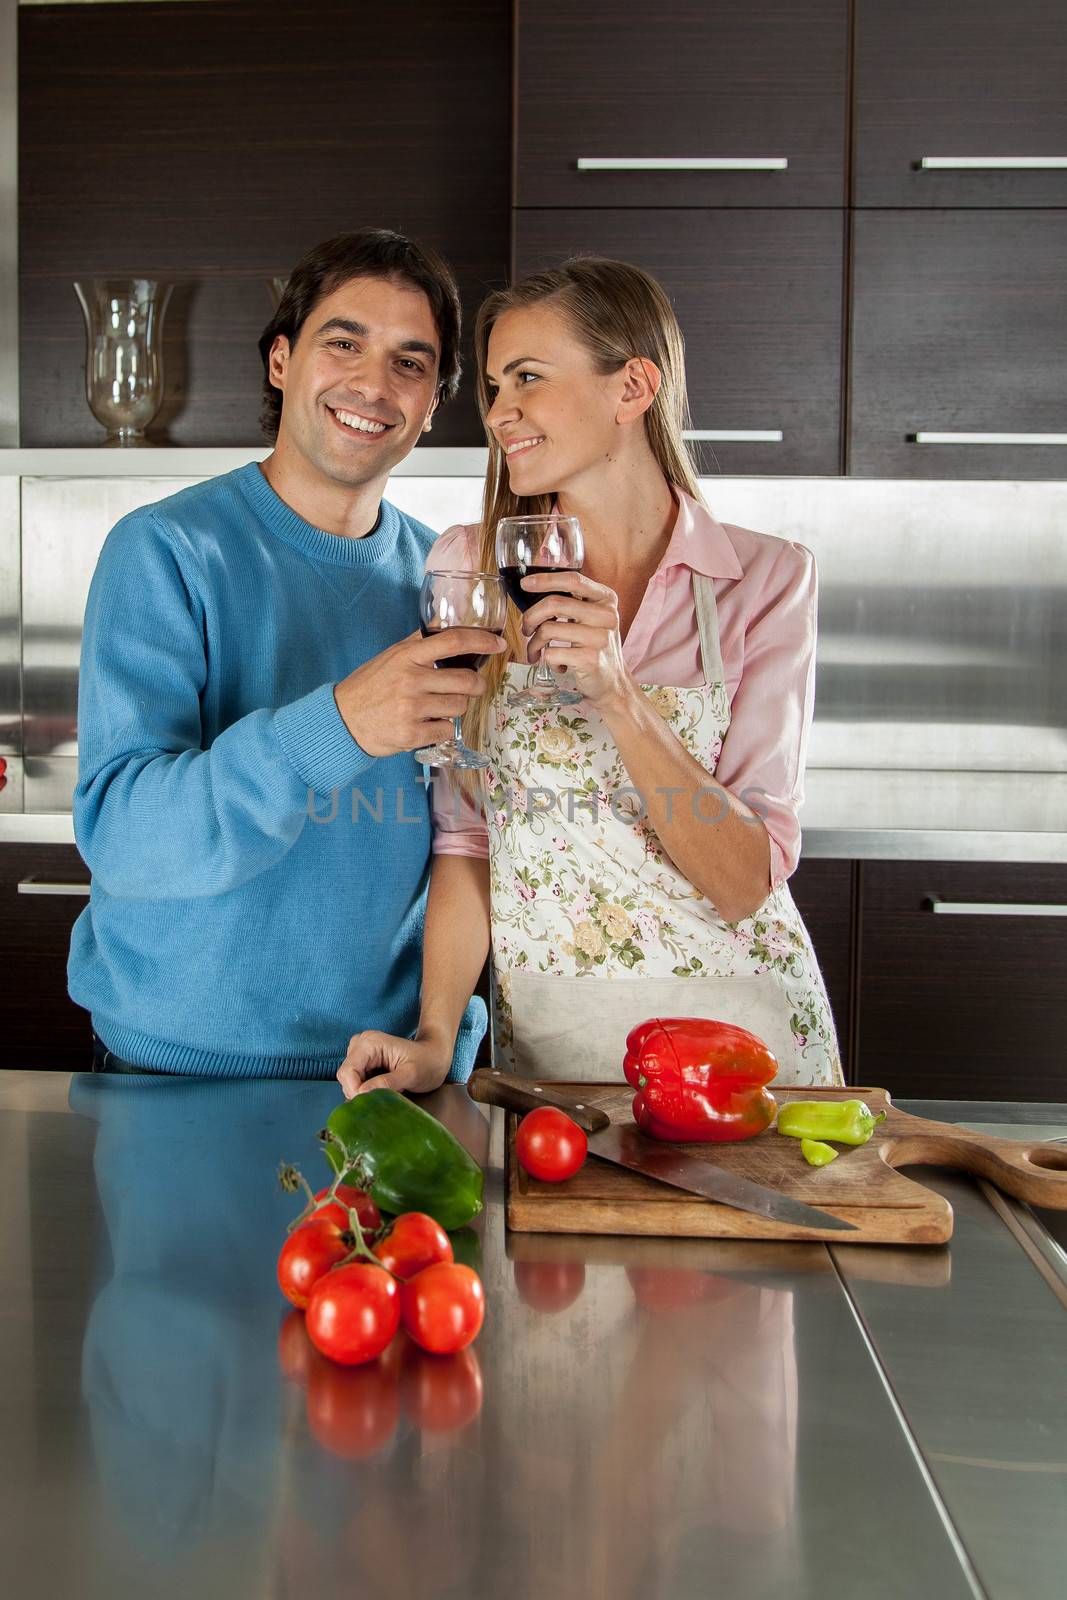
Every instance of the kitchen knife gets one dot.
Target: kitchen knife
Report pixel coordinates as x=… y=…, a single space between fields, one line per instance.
x=626 y=1145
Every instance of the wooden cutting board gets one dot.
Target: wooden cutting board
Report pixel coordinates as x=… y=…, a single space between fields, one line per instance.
x=861 y=1186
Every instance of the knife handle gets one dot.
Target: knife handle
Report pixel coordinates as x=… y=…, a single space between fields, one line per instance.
x=492 y=1088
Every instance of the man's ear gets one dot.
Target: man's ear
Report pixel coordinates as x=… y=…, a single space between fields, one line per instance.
x=641 y=381
x=278 y=360
x=428 y=424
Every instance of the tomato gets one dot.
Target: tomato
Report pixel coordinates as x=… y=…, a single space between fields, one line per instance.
x=295 y=1350
x=414 y=1241
x=441 y=1393
x=549 y=1285
x=443 y=1307
x=352 y=1411
x=309 y=1252
x=370 y=1218
x=353 y=1313
x=549 y=1145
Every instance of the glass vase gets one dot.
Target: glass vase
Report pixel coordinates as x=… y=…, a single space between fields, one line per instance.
x=124 y=353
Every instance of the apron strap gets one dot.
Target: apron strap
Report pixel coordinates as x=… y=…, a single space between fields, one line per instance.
x=708 y=628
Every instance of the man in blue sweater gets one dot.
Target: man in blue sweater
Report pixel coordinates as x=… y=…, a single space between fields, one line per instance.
x=252 y=684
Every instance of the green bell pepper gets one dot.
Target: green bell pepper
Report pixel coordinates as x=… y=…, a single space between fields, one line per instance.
x=817 y=1154
x=843 y=1121
x=405 y=1158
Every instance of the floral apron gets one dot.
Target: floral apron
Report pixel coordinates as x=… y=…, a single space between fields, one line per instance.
x=594 y=929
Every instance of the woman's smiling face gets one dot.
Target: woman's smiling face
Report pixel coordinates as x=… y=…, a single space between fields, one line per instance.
x=553 y=414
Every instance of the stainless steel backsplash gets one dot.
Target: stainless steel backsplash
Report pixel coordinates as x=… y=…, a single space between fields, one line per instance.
x=942 y=613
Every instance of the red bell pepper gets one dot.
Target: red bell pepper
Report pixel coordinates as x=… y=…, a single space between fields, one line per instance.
x=699 y=1081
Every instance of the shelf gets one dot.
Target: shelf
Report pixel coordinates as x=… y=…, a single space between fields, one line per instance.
x=150 y=461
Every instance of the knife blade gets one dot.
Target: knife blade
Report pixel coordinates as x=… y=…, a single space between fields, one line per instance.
x=627 y=1146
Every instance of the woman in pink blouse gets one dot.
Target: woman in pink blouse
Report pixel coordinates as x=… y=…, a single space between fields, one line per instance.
x=627 y=855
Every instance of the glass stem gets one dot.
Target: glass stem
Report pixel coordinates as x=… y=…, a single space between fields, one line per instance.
x=457 y=724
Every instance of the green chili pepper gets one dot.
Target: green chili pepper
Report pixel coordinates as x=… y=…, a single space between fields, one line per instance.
x=406 y=1159
x=844 y=1121
x=817 y=1154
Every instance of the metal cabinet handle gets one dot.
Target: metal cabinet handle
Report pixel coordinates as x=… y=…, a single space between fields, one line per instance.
x=992 y=163
x=44 y=886
x=989 y=908
x=736 y=435
x=990 y=438
x=682 y=163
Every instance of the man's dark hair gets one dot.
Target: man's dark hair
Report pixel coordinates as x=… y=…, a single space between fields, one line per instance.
x=370 y=253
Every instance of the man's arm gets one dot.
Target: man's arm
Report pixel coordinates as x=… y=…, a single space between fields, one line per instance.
x=156 y=815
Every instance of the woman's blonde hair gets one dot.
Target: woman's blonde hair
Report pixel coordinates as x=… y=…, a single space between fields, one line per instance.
x=617 y=312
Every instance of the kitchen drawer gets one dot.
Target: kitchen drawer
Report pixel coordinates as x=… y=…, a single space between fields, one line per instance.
x=959 y=81
x=758 y=295
x=823 y=894
x=959 y=327
x=40 y=1026
x=699 y=79
x=968 y=1001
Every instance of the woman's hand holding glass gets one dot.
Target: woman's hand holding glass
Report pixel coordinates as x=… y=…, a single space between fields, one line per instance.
x=552 y=543
x=592 y=647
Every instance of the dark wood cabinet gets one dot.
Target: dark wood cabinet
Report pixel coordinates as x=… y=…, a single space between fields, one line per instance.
x=959 y=325
x=40 y=1026
x=212 y=146
x=952 y=79
x=758 y=295
x=823 y=892
x=959 y=1004
x=699 y=78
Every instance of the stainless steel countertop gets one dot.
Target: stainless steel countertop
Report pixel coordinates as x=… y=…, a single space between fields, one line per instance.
x=661 y=1418
x=856 y=815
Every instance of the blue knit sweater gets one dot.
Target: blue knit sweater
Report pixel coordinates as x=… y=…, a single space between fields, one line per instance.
x=259 y=880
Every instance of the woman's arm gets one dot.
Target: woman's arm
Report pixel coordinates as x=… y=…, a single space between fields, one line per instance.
x=720 y=844
x=712 y=837
x=455 y=945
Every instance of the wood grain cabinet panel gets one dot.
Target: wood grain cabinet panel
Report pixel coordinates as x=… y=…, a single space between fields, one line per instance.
x=695 y=78
x=822 y=891
x=758 y=295
x=40 y=1026
x=213 y=145
x=959 y=78
x=962 y=1006
x=959 y=325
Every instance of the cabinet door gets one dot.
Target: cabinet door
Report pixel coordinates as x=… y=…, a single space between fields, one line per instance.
x=959 y=327
x=758 y=295
x=967 y=1002
x=823 y=894
x=40 y=1026
x=957 y=81
x=213 y=145
x=702 y=79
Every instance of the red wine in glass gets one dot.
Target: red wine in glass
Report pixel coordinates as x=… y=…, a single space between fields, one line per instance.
x=525 y=598
x=549 y=543
x=457 y=600
x=464 y=659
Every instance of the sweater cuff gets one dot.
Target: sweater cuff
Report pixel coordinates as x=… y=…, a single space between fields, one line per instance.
x=317 y=743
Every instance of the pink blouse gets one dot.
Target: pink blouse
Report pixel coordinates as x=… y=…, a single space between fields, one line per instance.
x=765 y=594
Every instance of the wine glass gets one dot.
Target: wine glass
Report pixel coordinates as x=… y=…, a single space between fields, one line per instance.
x=537 y=544
x=460 y=600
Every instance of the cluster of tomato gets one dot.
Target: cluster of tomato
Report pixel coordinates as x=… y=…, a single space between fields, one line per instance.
x=406 y=1276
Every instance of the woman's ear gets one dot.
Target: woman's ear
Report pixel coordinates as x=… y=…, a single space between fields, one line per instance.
x=641 y=381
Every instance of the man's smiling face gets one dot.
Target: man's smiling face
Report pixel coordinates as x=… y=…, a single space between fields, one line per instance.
x=360 y=383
